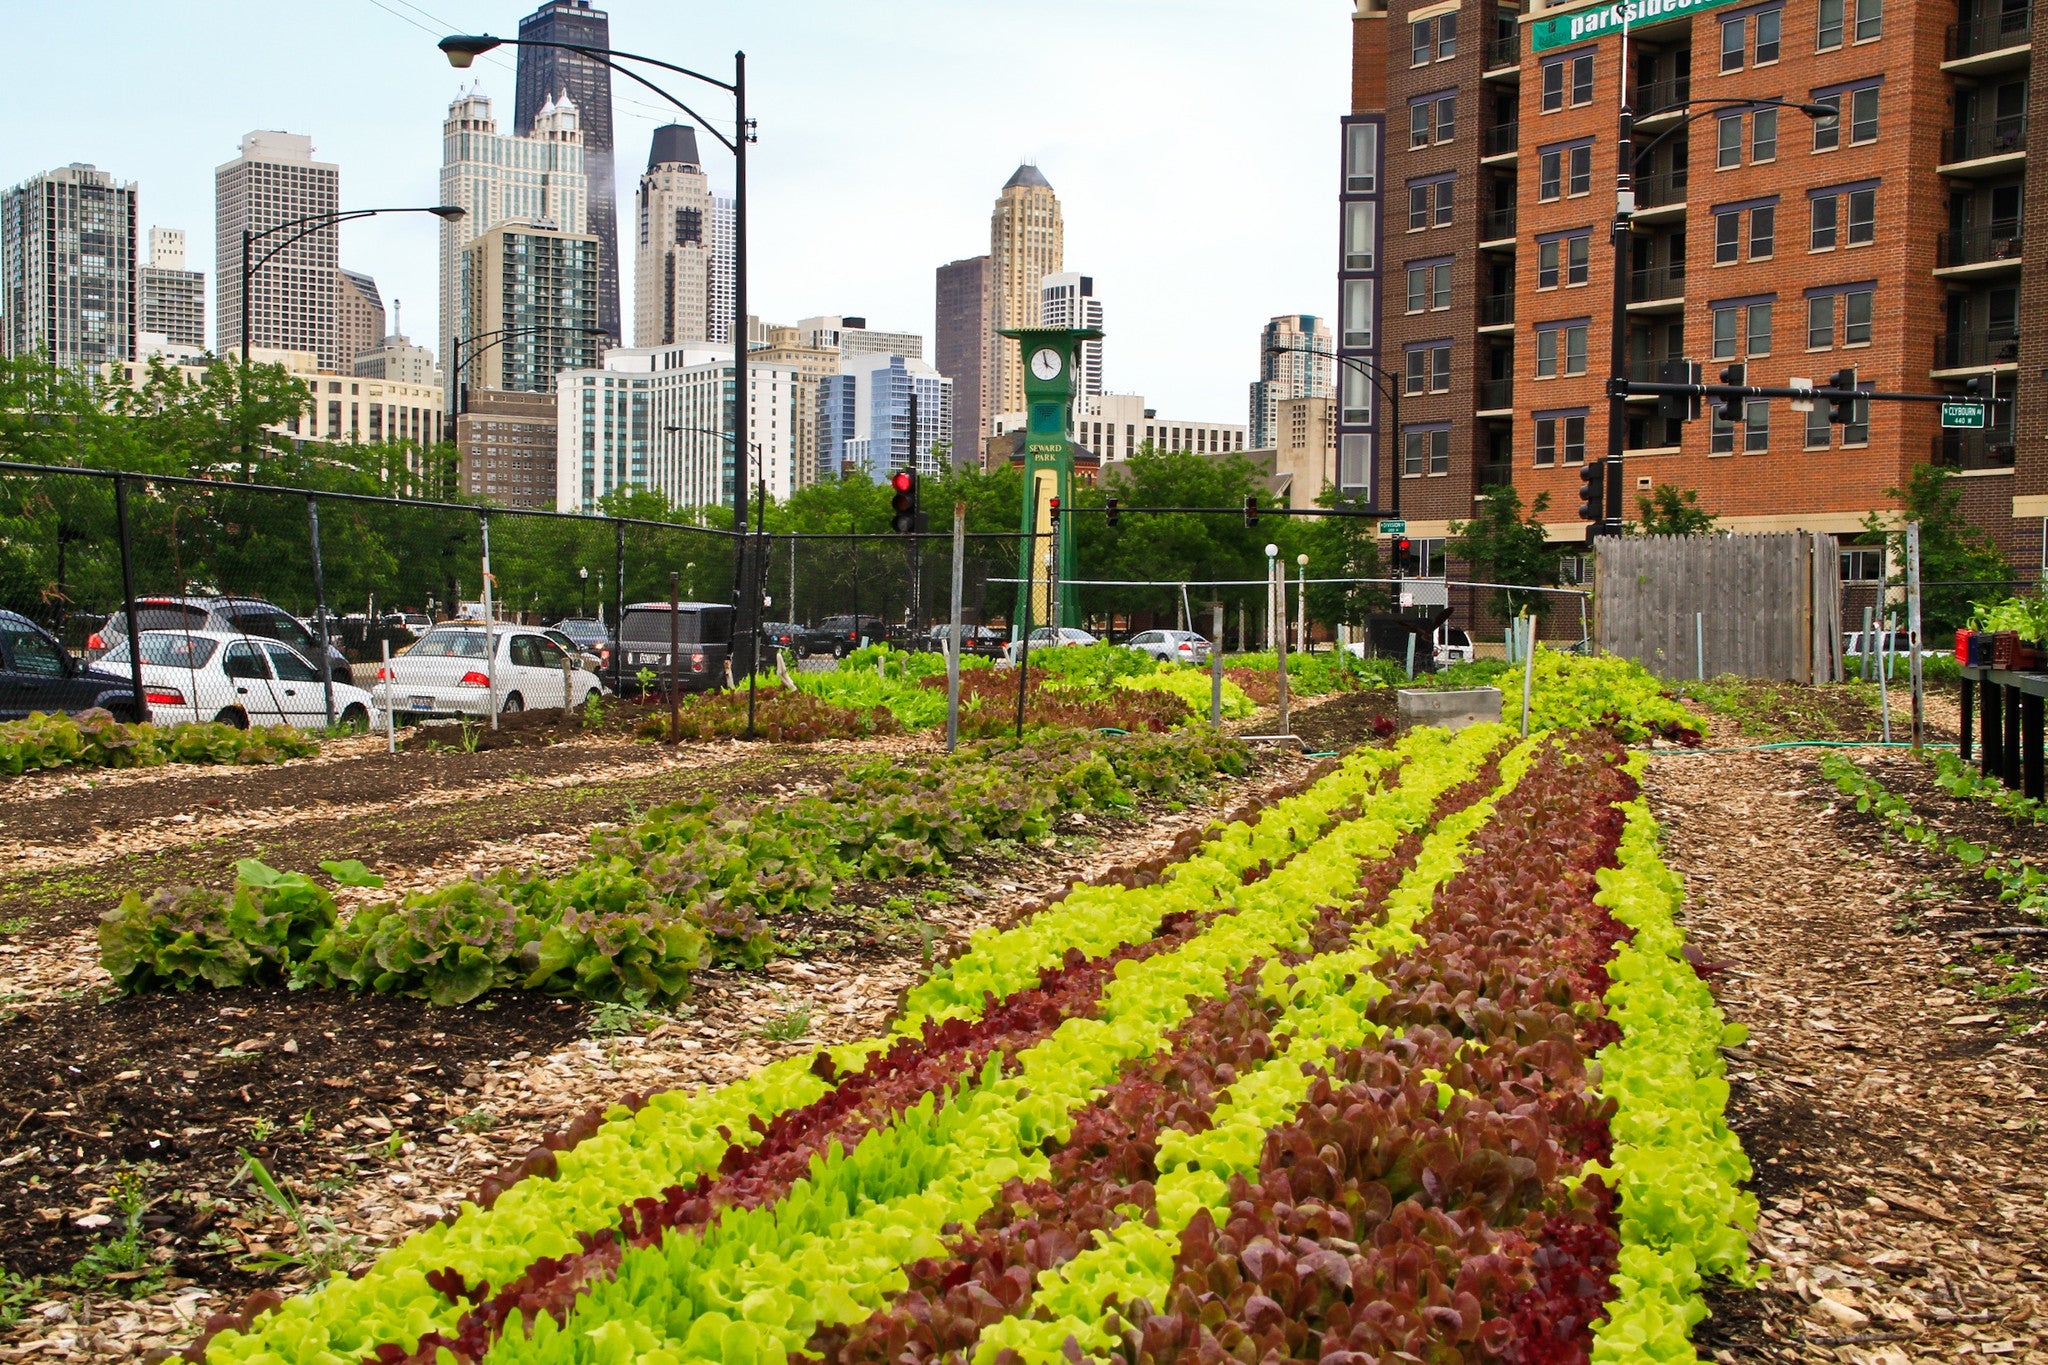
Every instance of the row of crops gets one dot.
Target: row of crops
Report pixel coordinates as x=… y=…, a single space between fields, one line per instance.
x=1408 y=1066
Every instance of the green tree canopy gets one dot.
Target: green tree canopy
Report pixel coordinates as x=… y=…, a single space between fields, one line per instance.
x=1960 y=564
x=1668 y=510
x=1505 y=544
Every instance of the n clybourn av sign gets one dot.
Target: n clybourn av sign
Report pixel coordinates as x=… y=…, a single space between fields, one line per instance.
x=1601 y=20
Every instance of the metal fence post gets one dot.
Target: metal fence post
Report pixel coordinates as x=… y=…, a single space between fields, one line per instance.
x=390 y=699
x=619 y=611
x=483 y=522
x=1216 y=667
x=953 y=636
x=1913 y=632
x=320 y=606
x=128 y=597
x=675 y=654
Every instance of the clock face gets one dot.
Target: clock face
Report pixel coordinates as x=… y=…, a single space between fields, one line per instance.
x=1045 y=363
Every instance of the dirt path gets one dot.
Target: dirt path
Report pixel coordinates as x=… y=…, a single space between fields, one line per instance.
x=1894 y=1120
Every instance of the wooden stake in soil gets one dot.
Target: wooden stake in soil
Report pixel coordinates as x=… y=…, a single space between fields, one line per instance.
x=1216 y=668
x=1913 y=631
x=675 y=655
x=953 y=636
x=390 y=700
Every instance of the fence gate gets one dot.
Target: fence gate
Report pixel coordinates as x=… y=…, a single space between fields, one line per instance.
x=1760 y=606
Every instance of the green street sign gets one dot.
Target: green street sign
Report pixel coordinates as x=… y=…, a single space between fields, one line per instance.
x=1393 y=526
x=1598 y=21
x=1967 y=416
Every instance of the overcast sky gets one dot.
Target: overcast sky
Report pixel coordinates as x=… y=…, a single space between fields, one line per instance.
x=1193 y=144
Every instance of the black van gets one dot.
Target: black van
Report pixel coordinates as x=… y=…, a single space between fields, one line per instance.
x=703 y=631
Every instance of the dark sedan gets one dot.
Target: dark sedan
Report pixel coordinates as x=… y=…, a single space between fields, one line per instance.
x=39 y=674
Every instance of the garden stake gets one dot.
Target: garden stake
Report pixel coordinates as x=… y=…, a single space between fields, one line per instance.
x=675 y=654
x=1411 y=656
x=1528 y=668
x=483 y=522
x=953 y=637
x=390 y=700
x=1216 y=668
x=1699 y=642
x=1913 y=633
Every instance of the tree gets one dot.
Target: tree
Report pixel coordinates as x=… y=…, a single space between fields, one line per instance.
x=1668 y=510
x=1959 y=562
x=1341 y=547
x=1503 y=544
x=1174 y=547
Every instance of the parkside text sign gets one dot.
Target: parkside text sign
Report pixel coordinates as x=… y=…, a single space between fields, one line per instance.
x=1600 y=20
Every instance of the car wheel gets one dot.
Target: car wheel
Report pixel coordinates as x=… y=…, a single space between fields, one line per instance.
x=839 y=651
x=356 y=717
x=231 y=715
x=514 y=704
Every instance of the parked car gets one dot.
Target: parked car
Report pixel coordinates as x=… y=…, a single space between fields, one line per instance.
x=39 y=674
x=1900 y=644
x=783 y=635
x=985 y=642
x=238 y=680
x=703 y=631
x=1042 y=638
x=451 y=671
x=237 y=615
x=1171 y=646
x=416 y=623
x=839 y=636
x=589 y=660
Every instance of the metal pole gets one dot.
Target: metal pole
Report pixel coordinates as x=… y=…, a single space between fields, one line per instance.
x=747 y=597
x=1622 y=239
x=1699 y=643
x=1024 y=642
x=675 y=653
x=1411 y=656
x=128 y=600
x=1867 y=640
x=953 y=637
x=754 y=596
x=390 y=697
x=1216 y=667
x=1884 y=694
x=619 y=610
x=791 y=604
x=320 y=604
x=1913 y=633
x=490 y=640
x=1528 y=669
x=1279 y=595
x=1301 y=606
x=916 y=541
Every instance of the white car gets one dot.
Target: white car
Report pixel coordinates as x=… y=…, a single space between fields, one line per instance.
x=240 y=680
x=446 y=673
x=1170 y=646
x=1041 y=638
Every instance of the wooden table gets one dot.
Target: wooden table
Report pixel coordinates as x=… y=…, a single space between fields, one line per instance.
x=2008 y=725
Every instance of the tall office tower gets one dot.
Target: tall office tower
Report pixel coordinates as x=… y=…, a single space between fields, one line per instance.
x=784 y=346
x=719 y=295
x=358 y=316
x=173 y=298
x=498 y=178
x=537 y=285
x=293 y=296
x=672 y=271
x=545 y=73
x=960 y=349
x=1070 y=300
x=1026 y=243
x=864 y=416
x=1295 y=361
x=68 y=267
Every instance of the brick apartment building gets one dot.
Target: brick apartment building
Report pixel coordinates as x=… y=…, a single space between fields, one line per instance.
x=1885 y=238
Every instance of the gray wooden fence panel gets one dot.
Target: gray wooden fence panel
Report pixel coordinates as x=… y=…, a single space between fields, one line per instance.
x=1769 y=604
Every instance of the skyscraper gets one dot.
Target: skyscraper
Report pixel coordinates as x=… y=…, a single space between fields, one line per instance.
x=546 y=73
x=173 y=298
x=498 y=178
x=1295 y=361
x=961 y=350
x=864 y=416
x=358 y=316
x=1027 y=242
x=679 y=263
x=1070 y=300
x=68 y=268
x=538 y=286
x=293 y=297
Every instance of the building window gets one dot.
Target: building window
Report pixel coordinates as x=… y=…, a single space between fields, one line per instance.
x=1575 y=440
x=1561 y=430
x=1863 y=114
x=1362 y=158
x=1549 y=175
x=1418 y=124
x=1827 y=132
x=1546 y=264
x=1443 y=202
x=1436 y=37
x=1429 y=202
x=1822 y=237
x=1728 y=141
x=1869 y=20
x=1734 y=39
x=1768 y=24
x=1357 y=397
x=1575 y=349
x=1763 y=231
x=1721 y=437
x=1756 y=425
x=1546 y=440
x=1553 y=87
x=1857 y=307
x=1421 y=38
x=1725 y=320
x=1358 y=313
x=1546 y=354
x=1578 y=257
x=1581 y=170
x=1856 y=431
x=1759 y=329
x=1429 y=368
x=1361 y=226
x=1828 y=26
x=1862 y=217
x=1582 y=79
x=1727 y=237
x=1560 y=349
x=1819 y=430
x=1426 y=450
x=1763 y=140
x=1429 y=286
x=1820 y=322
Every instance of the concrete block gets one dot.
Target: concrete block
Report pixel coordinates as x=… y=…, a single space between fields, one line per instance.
x=1452 y=710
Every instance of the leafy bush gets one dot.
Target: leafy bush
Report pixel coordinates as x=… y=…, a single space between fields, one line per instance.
x=914 y=705
x=1572 y=691
x=2026 y=616
x=1194 y=687
x=1097 y=665
x=94 y=739
x=780 y=716
x=182 y=936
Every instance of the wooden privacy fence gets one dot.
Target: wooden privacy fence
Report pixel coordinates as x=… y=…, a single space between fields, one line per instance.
x=1760 y=606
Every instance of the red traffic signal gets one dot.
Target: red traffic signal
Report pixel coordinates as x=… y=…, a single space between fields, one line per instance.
x=902 y=480
x=904 y=503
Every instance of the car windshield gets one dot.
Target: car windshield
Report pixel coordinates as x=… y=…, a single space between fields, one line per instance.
x=170 y=648
x=449 y=644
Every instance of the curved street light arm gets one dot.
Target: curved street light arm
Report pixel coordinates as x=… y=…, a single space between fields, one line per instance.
x=602 y=56
x=1812 y=111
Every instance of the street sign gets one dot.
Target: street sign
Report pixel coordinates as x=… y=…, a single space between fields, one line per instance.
x=1395 y=526
x=1968 y=416
x=1800 y=404
x=1598 y=22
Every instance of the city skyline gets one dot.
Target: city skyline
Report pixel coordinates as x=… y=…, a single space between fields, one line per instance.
x=909 y=203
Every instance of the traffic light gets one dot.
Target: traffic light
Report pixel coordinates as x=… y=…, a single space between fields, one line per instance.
x=1251 y=510
x=1593 y=491
x=1404 y=554
x=1842 y=411
x=1055 y=506
x=1679 y=407
x=904 y=503
x=1109 y=510
x=1728 y=407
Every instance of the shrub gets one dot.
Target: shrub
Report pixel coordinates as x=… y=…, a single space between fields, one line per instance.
x=780 y=716
x=94 y=739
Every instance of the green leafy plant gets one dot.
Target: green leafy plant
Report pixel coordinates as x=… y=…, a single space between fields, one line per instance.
x=788 y=1027
x=2019 y=882
x=16 y=1294
x=262 y=1130
x=319 y=1246
x=477 y=1121
x=122 y=1263
x=593 y=712
x=182 y=936
x=95 y=739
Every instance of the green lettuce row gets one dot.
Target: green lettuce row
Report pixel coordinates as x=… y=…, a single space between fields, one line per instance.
x=1677 y=1169
x=754 y=1285
x=1324 y=1003
x=680 y=1134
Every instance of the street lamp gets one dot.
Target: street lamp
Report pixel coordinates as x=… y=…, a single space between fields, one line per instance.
x=309 y=225
x=1624 y=214
x=463 y=49
x=1384 y=383
x=584 y=575
x=458 y=395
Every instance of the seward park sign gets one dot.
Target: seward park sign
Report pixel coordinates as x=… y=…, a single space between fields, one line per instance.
x=1597 y=21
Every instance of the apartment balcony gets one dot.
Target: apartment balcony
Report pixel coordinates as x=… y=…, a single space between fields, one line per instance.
x=1982 y=349
x=1504 y=57
x=1661 y=99
x=1501 y=142
x=1496 y=396
x=1657 y=288
x=1497 y=311
x=1990 y=42
x=1983 y=148
x=1495 y=474
x=1497 y=227
x=1661 y=194
x=1969 y=450
x=1992 y=250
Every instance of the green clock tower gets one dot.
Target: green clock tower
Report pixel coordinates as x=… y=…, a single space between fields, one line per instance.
x=1051 y=355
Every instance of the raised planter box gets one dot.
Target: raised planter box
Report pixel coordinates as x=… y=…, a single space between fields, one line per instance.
x=1452 y=710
